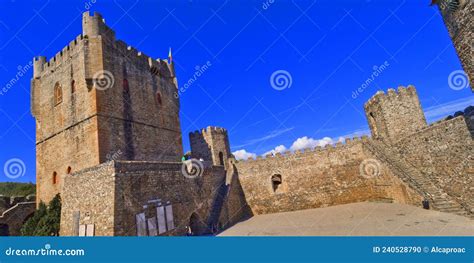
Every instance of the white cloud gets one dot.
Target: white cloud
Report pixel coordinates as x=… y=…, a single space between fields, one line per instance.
x=449 y=108
x=243 y=155
x=305 y=142
x=278 y=149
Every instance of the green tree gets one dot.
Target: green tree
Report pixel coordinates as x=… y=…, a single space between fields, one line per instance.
x=17 y=189
x=45 y=221
x=29 y=228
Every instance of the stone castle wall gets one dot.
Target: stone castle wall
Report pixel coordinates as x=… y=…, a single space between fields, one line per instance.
x=444 y=152
x=460 y=25
x=66 y=132
x=394 y=115
x=7 y=202
x=235 y=207
x=88 y=198
x=90 y=125
x=12 y=219
x=139 y=113
x=110 y=196
x=115 y=150
x=211 y=144
x=319 y=178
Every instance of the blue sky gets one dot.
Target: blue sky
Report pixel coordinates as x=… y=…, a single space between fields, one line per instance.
x=328 y=48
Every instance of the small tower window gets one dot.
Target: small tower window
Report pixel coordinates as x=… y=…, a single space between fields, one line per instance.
x=374 y=124
x=276 y=182
x=69 y=169
x=55 y=178
x=158 y=98
x=221 y=158
x=58 y=94
x=73 y=86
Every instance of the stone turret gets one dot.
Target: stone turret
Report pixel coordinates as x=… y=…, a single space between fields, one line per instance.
x=211 y=144
x=38 y=66
x=94 y=25
x=394 y=115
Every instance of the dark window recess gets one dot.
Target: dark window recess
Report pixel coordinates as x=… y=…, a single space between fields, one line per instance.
x=276 y=182
x=55 y=178
x=221 y=158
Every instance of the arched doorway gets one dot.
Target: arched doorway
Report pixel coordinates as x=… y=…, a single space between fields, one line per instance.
x=4 y=230
x=196 y=225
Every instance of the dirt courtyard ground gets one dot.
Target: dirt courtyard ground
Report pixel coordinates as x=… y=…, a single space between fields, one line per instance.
x=358 y=219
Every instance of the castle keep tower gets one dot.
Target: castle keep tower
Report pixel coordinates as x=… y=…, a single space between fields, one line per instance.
x=457 y=16
x=99 y=99
x=393 y=116
x=211 y=144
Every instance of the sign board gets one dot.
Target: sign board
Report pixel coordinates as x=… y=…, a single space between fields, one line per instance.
x=141 y=224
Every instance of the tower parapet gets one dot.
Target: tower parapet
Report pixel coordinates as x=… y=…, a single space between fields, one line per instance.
x=211 y=144
x=93 y=26
x=38 y=66
x=394 y=115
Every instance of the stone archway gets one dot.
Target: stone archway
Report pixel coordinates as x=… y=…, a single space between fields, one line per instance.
x=196 y=225
x=4 y=230
x=13 y=219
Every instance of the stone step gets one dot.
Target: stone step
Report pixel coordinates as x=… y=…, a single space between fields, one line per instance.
x=451 y=209
x=410 y=175
x=445 y=202
x=448 y=207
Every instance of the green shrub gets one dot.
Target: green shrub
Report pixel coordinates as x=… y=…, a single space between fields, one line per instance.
x=17 y=189
x=45 y=221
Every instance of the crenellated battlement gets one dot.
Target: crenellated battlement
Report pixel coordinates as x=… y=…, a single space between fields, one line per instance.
x=394 y=114
x=391 y=94
x=41 y=63
x=209 y=130
x=211 y=143
x=94 y=25
x=348 y=142
x=159 y=67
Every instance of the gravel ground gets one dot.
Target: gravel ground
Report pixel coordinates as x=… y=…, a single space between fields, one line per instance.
x=357 y=219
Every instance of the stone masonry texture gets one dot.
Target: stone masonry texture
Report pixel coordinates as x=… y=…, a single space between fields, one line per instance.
x=110 y=143
x=457 y=16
